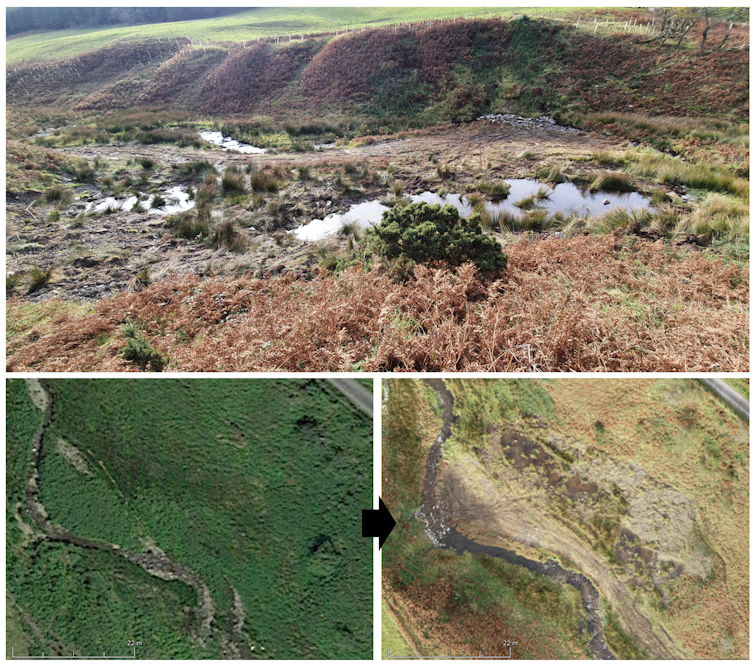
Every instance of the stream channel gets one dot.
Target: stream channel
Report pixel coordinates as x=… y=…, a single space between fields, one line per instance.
x=444 y=536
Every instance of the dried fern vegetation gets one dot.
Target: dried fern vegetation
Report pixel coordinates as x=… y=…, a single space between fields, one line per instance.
x=590 y=303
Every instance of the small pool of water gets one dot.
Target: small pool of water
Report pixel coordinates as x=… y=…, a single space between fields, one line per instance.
x=565 y=198
x=228 y=143
x=365 y=214
x=177 y=200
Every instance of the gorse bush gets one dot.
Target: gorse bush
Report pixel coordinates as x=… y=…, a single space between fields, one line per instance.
x=140 y=351
x=424 y=234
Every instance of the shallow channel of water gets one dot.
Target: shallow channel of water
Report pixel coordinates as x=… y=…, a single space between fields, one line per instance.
x=228 y=143
x=565 y=198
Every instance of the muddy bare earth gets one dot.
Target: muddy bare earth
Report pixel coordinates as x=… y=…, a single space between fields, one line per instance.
x=102 y=254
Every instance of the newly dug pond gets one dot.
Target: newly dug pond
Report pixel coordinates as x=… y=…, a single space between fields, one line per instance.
x=227 y=257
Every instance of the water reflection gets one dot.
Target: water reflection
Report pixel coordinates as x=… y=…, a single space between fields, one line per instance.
x=228 y=143
x=176 y=199
x=564 y=198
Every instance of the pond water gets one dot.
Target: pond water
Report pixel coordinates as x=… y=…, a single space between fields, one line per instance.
x=228 y=143
x=365 y=214
x=177 y=200
x=564 y=197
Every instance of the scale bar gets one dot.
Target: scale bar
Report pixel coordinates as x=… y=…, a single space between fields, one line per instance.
x=73 y=656
x=447 y=656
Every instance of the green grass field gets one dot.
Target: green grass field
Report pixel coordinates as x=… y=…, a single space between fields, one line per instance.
x=256 y=486
x=246 y=26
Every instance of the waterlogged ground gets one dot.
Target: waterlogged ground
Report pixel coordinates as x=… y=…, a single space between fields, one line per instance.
x=102 y=254
x=563 y=198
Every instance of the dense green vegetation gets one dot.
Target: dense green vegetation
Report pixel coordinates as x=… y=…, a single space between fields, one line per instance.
x=420 y=233
x=740 y=385
x=23 y=19
x=483 y=403
x=256 y=486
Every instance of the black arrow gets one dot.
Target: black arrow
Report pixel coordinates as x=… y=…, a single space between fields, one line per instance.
x=377 y=523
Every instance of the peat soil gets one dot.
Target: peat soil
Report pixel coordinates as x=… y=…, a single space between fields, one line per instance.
x=104 y=254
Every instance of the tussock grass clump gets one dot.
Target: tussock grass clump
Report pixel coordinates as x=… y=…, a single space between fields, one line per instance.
x=497 y=188
x=477 y=202
x=261 y=182
x=351 y=229
x=197 y=168
x=13 y=280
x=232 y=182
x=158 y=201
x=85 y=173
x=615 y=219
x=179 y=136
x=613 y=181
x=608 y=158
x=349 y=167
x=554 y=174
x=226 y=235
x=273 y=208
x=303 y=172
x=659 y=197
x=674 y=126
x=717 y=216
x=38 y=278
x=444 y=171
x=664 y=169
x=543 y=193
x=205 y=194
x=256 y=202
x=58 y=194
x=188 y=225
x=146 y=163
x=527 y=203
x=54 y=216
